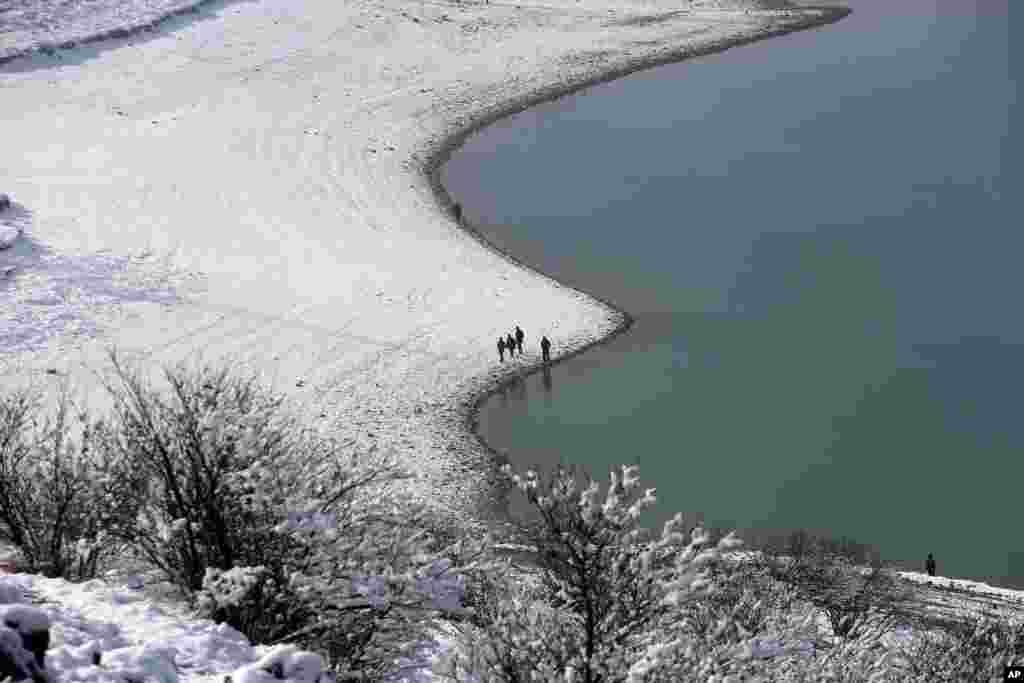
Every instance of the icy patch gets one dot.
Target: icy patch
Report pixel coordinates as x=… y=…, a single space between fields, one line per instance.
x=46 y=295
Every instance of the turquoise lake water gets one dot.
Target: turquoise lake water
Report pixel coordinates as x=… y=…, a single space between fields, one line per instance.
x=819 y=238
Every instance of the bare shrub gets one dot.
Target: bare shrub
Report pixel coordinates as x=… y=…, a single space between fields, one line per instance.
x=198 y=445
x=744 y=603
x=973 y=649
x=59 y=497
x=856 y=601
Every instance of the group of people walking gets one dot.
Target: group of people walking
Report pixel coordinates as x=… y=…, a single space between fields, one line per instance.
x=513 y=343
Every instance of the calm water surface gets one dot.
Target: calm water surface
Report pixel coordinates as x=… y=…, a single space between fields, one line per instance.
x=819 y=237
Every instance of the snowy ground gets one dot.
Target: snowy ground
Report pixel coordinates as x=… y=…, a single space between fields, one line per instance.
x=251 y=183
x=136 y=637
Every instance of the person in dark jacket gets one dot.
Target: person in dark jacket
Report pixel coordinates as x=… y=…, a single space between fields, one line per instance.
x=510 y=344
x=501 y=349
x=545 y=349
x=929 y=565
x=519 y=340
x=457 y=210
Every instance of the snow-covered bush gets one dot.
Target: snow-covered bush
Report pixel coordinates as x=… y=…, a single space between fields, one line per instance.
x=58 y=495
x=273 y=529
x=259 y=601
x=855 y=601
x=745 y=603
x=216 y=455
x=969 y=650
x=611 y=597
x=375 y=580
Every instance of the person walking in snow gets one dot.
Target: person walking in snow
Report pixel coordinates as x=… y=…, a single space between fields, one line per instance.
x=519 y=340
x=545 y=349
x=510 y=344
x=501 y=349
x=929 y=565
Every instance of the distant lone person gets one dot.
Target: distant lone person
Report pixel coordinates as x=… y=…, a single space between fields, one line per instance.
x=501 y=349
x=519 y=340
x=457 y=209
x=510 y=344
x=545 y=349
x=929 y=565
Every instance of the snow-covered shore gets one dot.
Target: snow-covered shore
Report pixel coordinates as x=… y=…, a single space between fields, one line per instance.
x=257 y=183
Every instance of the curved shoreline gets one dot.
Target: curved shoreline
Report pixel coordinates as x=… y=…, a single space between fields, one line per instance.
x=469 y=406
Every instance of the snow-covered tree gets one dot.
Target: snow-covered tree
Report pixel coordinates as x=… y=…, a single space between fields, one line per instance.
x=609 y=594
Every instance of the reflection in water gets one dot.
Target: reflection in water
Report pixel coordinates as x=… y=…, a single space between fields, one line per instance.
x=519 y=387
x=546 y=378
